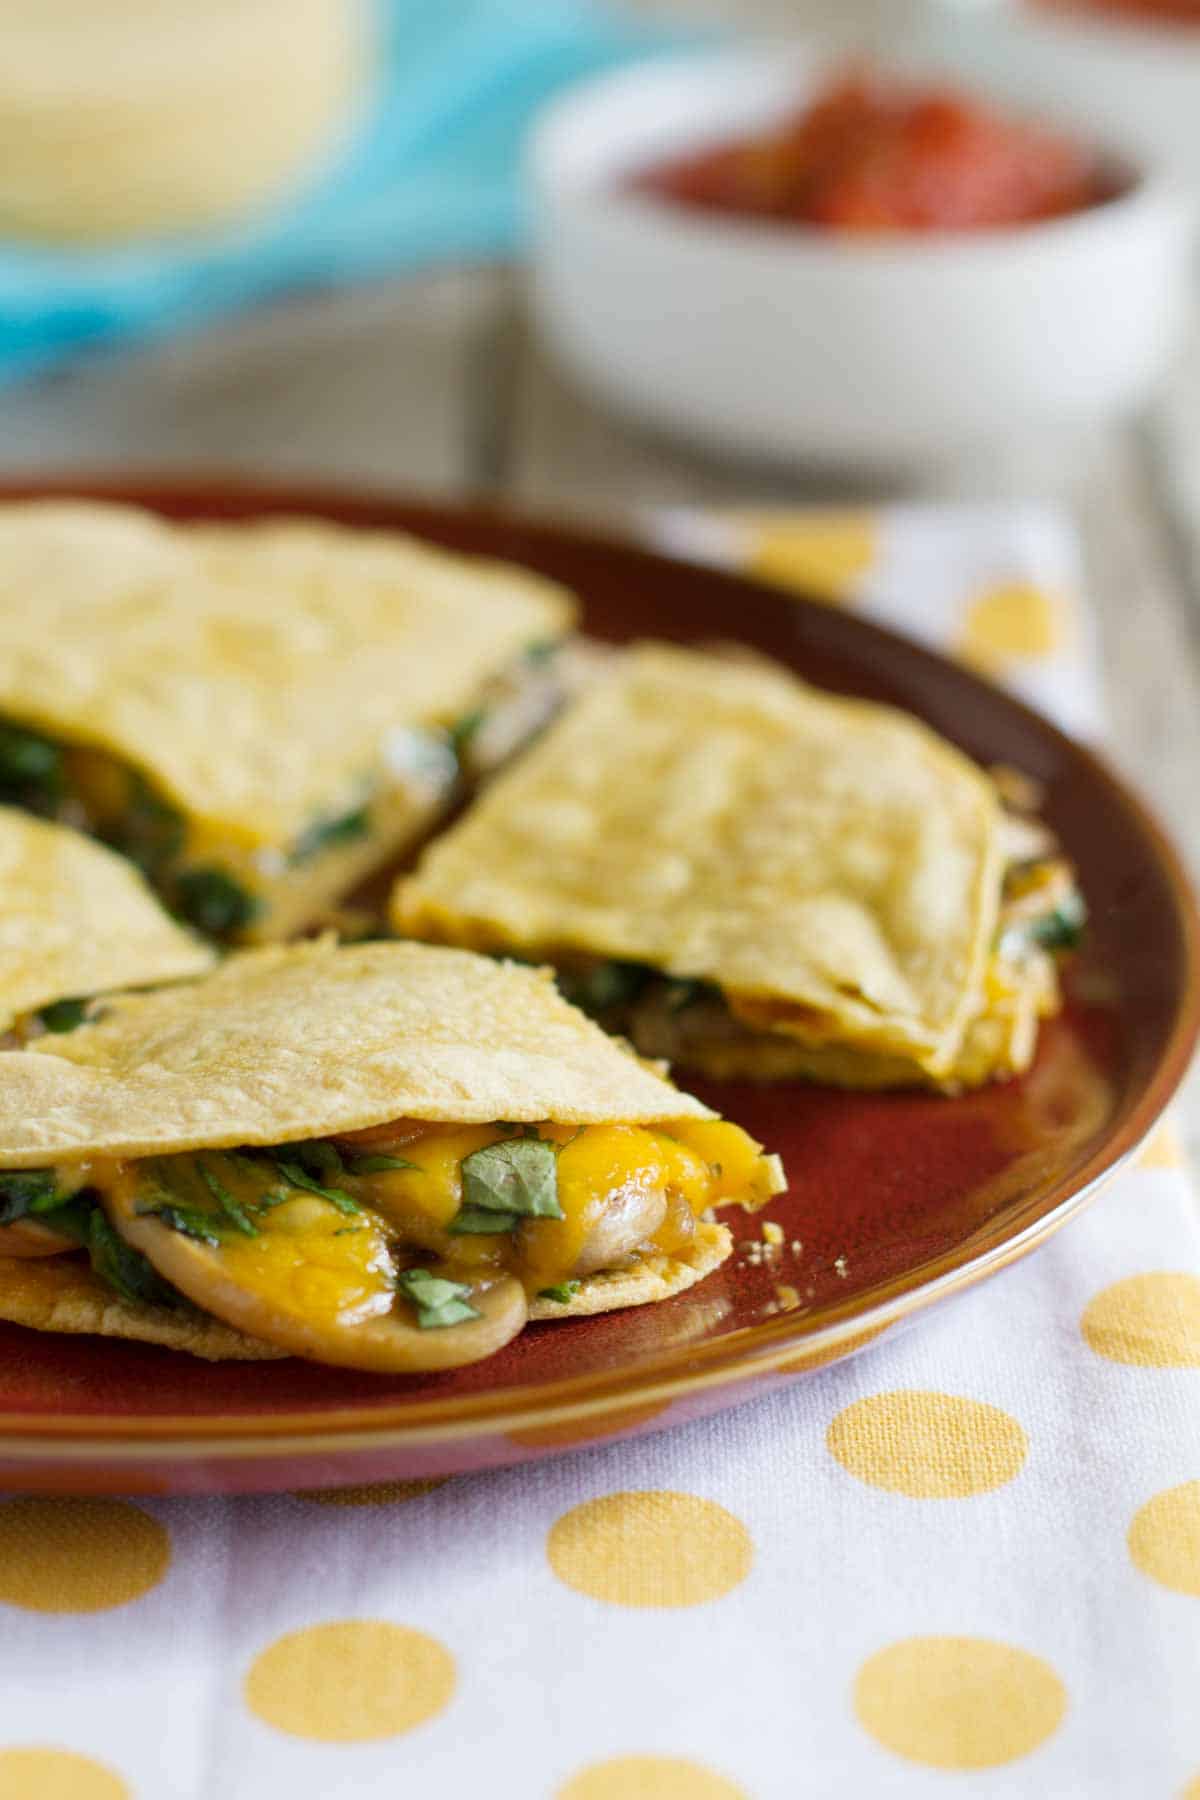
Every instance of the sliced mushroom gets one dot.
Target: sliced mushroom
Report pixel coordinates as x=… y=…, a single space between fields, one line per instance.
x=630 y=1217
x=317 y=1284
x=26 y=1238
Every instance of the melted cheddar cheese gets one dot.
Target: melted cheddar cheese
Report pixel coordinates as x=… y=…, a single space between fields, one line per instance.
x=259 y=1240
x=693 y=1164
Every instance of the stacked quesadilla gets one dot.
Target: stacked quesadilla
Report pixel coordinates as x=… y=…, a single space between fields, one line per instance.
x=761 y=880
x=259 y=715
x=76 y=921
x=384 y=1156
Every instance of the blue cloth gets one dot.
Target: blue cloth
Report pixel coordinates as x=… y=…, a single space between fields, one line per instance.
x=431 y=176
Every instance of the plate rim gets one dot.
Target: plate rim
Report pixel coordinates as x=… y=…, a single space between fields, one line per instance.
x=738 y=1357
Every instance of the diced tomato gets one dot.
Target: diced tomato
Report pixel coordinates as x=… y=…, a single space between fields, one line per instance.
x=866 y=156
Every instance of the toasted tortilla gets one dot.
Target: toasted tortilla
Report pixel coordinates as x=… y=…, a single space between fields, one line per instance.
x=309 y=1039
x=651 y=1278
x=77 y=920
x=831 y=865
x=61 y=1294
x=254 y=673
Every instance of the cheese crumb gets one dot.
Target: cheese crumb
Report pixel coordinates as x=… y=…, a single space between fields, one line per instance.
x=772 y=1232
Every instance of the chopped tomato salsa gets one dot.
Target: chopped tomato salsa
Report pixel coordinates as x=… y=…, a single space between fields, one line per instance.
x=872 y=156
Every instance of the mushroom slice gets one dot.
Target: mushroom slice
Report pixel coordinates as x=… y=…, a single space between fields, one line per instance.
x=310 y=1273
x=630 y=1217
x=27 y=1237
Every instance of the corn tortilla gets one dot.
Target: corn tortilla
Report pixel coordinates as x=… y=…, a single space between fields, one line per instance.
x=253 y=673
x=310 y=1039
x=78 y=920
x=831 y=865
x=61 y=1294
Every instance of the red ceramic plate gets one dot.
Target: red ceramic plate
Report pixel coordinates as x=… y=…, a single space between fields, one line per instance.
x=897 y=1200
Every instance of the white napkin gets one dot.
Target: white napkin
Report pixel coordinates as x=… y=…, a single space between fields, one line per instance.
x=967 y=1560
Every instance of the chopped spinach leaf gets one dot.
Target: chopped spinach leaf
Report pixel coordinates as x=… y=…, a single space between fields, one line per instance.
x=379 y=1164
x=605 y=986
x=679 y=994
x=71 y=1218
x=150 y=831
x=335 y=828
x=562 y=1291
x=213 y=901
x=517 y=1178
x=1063 y=928
x=31 y=770
x=541 y=650
x=233 y=1210
x=480 y=1221
x=317 y=1157
x=188 y=1221
x=124 y=1268
x=463 y=730
x=300 y=1178
x=33 y=1194
x=63 y=1015
x=437 y=1301
x=27 y=1191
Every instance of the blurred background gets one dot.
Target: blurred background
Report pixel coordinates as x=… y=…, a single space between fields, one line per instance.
x=392 y=244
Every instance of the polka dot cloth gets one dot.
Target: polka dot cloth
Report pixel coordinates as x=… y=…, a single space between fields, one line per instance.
x=966 y=1561
x=999 y=587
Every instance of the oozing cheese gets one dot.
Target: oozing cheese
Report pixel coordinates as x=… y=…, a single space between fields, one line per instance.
x=692 y=1164
x=271 y=1252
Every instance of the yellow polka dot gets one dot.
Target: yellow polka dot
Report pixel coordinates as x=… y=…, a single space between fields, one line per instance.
x=1150 y=1320
x=351 y=1681
x=61 y=1555
x=958 y=1702
x=927 y=1445
x=1007 y=625
x=37 y=1774
x=1164 y=1539
x=821 y=554
x=649 y=1778
x=373 y=1493
x=1162 y=1149
x=653 y=1548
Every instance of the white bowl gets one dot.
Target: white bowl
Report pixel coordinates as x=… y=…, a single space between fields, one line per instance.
x=796 y=344
x=1141 y=79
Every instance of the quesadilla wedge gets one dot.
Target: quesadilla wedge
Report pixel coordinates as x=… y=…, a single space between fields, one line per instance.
x=262 y=714
x=762 y=881
x=383 y=1156
x=76 y=920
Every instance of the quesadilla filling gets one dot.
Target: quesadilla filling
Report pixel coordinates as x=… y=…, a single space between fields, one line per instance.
x=410 y=1246
x=58 y=1017
x=228 y=889
x=1042 y=916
